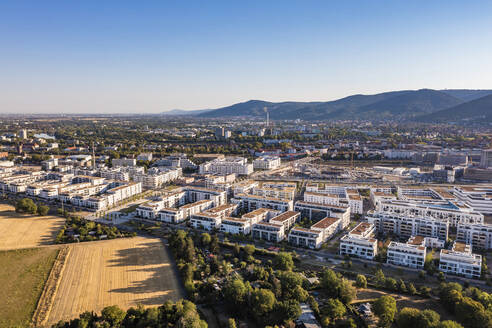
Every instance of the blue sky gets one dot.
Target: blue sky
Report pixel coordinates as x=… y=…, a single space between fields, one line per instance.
x=151 y=56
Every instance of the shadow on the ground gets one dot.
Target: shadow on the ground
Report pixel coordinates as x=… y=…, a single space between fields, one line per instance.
x=163 y=279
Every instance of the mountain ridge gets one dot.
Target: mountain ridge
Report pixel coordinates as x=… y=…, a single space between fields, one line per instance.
x=392 y=105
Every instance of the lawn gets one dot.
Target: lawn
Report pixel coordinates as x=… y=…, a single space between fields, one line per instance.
x=23 y=274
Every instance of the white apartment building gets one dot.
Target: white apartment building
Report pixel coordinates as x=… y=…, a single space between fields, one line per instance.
x=238 y=165
x=235 y=226
x=315 y=211
x=207 y=221
x=377 y=196
x=260 y=214
x=486 y=159
x=287 y=219
x=325 y=199
x=253 y=202
x=410 y=254
x=115 y=175
x=334 y=195
x=304 y=237
x=152 y=180
x=268 y=231
x=460 y=261
x=267 y=163
x=316 y=235
x=360 y=242
x=244 y=187
x=407 y=226
x=478 y=236
x=172 y=215
x=123 y=162
x=479 y=197
x=180 y=197
x=224 y=210
x=355 y=202
x=194 y=194
x=116 y=193
x=144 y=157
x=282 y=190
x=451 y=212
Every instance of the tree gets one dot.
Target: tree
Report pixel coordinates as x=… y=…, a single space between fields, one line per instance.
x=287 y=310
x=289 y=281
x=189 y=251
x=473 y=313
x=390 y=284
x=401 y=286
x=330 y=282
x=214 y=244
x=205 y=239
x=361 y=281
x=113 y=314
x=43 y=210
x=236 y=249
x=334 y=309
x=385 y=309
x=407 y=318
x=449 y=324
x=26 y=205
x=262 y=302
x=428 y=319
x=231 y=323
x=411 y=289
x=249 y=250
x=346 y=292
x=283 y=261
x=235 y=293
x=450 y=295
x=379 y=278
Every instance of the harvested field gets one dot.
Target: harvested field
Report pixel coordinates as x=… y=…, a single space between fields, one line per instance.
x=23 y=274
x=26 y=231
x=124 y=272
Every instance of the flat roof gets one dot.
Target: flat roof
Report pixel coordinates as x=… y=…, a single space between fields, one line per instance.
x=285 y=216
x=361 y=228
x=325 y=223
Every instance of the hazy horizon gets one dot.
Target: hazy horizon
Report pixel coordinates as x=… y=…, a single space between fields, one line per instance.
x=128 y=57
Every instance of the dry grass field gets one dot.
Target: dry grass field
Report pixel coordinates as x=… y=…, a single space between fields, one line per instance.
x=26 y=231
x=23 y=274
x=124 y=272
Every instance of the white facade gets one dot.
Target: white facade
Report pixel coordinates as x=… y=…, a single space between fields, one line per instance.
x=252 y=202
x=267 y=163
x=410 y=254
x=460 y=261
x=316 y=235
x=205 y=221
x=406 y=226
x=123 y=162
x=152 y=180
x=315 y=211
x=268 y=231
x=447 y=211
x=359 y=242
x=144 y=157
x=478 y=236
x=479 y=198
x=235 y=226
x=238 y=165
